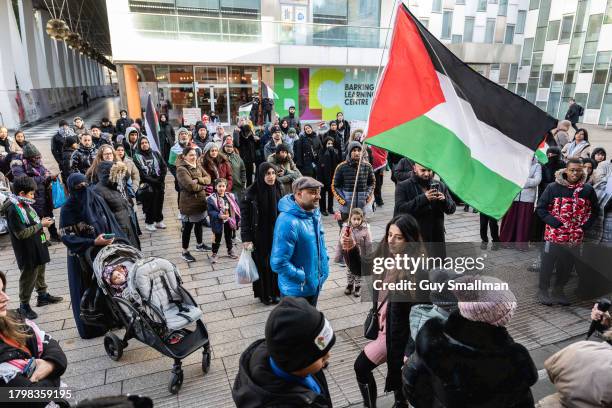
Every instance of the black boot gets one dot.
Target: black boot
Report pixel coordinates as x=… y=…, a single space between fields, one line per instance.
x=400 y=400
x=26 y=311
x=368 y=392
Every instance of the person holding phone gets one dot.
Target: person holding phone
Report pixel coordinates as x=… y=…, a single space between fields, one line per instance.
x=29 y=244
x=85 y=222
x=427 y=200
x=29 y=357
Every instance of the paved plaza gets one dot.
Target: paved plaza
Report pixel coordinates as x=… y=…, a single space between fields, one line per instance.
x=235 y=319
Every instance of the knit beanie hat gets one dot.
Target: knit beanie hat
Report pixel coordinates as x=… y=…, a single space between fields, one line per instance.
x=208 y=146
x=292 y=132
x=30 y=151
x=495 y=307
x=297 y=334
x=182 y=130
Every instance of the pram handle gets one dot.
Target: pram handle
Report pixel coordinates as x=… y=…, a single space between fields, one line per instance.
x=88 y=253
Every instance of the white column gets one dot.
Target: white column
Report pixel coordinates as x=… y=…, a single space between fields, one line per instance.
x=8 y=115
x=74 y=61
x=65 y=65
x=34 y=58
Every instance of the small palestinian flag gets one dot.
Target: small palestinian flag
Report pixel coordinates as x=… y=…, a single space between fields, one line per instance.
x=434 y=109
x=541 y=152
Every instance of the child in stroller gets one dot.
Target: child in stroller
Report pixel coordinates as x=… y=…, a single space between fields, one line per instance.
x=148 y=299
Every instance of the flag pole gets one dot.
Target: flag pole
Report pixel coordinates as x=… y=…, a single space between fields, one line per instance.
x=363 y=151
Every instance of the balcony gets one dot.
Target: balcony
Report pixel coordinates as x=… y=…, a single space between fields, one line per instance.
x=235 y=30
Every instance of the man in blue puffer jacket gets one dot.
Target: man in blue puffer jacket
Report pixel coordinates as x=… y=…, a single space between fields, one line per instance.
x=299 y=256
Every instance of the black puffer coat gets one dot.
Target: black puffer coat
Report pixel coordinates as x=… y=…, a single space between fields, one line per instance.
x=306 y=153
x=82 y=158
x=462 y=363
x=246 y=145
x=328 y=161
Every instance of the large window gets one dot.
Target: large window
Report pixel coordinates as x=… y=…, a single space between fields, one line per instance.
x=546 y=77
x=520 y=21
x=553 y=30
x=436 y=6
x=503 y=8
x=509 y=37
x=566 y=29
x=447 y=21
x=482 y=5
x=344 y=13
x=490 y=30
x=544 y=13
x=468 y=29
x=534 y=4
x=596 y=95
x=540 y=39
x=527 y=50
x=457 y=39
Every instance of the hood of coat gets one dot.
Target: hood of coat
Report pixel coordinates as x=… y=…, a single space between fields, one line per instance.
x=129 y=130
x=349 y=148
x=560 y=178
x=257 y=386
x=287 y=204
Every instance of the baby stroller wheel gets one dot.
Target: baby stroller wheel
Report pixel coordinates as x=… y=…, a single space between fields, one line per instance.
x=205 y=361
x=113 y=346
x=176 y=381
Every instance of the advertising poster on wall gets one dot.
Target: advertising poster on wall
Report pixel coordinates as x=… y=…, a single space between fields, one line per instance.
x=319 y=93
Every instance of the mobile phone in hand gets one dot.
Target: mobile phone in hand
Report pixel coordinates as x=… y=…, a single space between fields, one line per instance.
x=29 y=369
x=108 y=236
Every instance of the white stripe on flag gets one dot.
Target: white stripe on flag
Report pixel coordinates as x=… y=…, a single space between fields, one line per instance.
x=488 y=145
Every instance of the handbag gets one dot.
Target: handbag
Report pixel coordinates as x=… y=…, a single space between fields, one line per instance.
x=143 y=190
x=371 y=326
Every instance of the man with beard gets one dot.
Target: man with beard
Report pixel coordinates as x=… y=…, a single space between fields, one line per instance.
x=427 y=200
x=287 y=171
x=83 y=156
x=343 y=183
x=294 y=122
x=277 y=139
x=299 y=255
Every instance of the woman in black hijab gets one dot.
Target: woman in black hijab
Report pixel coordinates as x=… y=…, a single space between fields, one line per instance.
x=84 y=220
x=259 y=210
x=152 y=169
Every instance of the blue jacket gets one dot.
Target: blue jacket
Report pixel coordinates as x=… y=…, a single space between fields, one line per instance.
x=299 y=256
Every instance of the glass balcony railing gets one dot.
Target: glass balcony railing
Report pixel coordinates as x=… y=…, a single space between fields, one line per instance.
x=181 y=27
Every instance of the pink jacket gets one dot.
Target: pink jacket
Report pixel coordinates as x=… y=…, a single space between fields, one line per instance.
x=361 y=235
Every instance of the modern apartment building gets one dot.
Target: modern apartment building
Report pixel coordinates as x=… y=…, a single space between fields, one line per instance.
x=566 y=53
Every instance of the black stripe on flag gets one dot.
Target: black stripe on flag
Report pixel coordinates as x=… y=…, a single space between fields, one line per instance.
x=514 y=116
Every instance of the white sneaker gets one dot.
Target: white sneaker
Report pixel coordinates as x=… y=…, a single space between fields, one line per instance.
x=179 y=216
x=160 y=225
x=150 y=227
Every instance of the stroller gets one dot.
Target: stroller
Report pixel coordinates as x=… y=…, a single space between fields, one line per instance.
x=154 y=308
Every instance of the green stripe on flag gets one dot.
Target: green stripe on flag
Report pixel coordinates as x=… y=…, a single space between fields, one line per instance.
x=438 y=148
x=541 y=156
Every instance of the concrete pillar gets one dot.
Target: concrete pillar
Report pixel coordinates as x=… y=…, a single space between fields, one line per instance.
x=64 y=66
x=76 y=69
x=131 y=91
x=30 y=41
x=121 y=83
x=50 y=52
x=9 y=116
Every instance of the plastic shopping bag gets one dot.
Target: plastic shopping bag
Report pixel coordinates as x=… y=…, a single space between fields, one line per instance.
x=246 y=271
x=58 y=193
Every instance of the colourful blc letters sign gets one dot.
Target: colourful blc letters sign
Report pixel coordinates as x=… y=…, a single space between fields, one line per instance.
x=319 y=93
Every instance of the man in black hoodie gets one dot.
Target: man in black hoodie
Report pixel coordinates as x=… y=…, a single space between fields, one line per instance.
x=286 y=368
x=58 y=140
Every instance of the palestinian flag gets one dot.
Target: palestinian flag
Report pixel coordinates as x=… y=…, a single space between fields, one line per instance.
x=434 y=109
x=541 y=152
x=152 y=125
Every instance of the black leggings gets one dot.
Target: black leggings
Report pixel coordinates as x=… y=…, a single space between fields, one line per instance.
x=363 y=369
x=186 y=236
x=228 y=238
x=152 y=206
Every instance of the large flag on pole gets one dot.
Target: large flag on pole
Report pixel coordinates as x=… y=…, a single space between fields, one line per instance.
x=152 y=125
x=267 y=92
x=433 y=108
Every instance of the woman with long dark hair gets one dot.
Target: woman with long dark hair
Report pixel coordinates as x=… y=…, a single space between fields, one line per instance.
x=19 y=342
x=259 y=210
x=402 y=236
x=216 y=165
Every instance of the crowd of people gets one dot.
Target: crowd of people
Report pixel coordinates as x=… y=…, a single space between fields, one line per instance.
x=269 y=187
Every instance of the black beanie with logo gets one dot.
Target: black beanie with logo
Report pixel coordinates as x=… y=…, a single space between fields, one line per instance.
x=297 y=334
